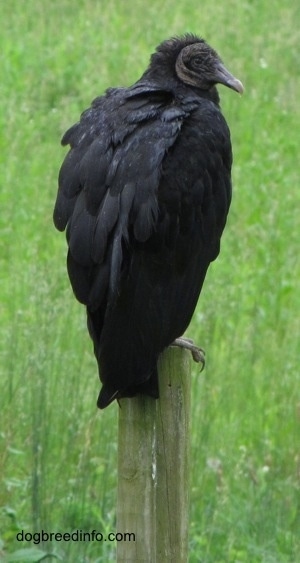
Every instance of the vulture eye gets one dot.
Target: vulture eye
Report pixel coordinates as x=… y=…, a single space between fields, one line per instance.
x=197 y=61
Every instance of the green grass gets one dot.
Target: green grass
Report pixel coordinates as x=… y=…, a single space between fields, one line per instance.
x=58 y=454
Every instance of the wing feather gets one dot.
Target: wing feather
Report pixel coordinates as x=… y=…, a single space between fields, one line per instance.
x=108 y=184
x=80 y=232
x=106 y=220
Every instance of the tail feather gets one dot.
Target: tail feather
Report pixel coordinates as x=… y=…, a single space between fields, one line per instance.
x=106 y=396
x=149 y=387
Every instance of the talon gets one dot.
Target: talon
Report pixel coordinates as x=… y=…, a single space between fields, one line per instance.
x=198 y=353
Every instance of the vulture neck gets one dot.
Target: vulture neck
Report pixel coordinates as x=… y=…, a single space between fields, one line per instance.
x=169 y=81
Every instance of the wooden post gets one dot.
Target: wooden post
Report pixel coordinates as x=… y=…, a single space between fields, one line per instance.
x=153 y=471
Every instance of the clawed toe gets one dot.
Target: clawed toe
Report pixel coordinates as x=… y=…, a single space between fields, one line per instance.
x=198 y=353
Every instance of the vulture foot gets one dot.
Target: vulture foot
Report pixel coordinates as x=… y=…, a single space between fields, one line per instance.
x=197 y=353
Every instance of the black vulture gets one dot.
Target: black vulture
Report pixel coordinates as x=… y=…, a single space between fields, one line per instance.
x=144 y=193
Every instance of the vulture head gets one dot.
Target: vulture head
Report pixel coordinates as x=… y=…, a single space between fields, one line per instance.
x=192 y=61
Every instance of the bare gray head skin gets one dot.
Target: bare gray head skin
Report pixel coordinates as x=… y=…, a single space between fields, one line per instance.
x=200 y=66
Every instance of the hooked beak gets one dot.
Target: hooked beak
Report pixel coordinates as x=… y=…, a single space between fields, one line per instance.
x=223 y=76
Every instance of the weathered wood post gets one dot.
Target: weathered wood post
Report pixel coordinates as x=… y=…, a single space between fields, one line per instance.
x=153 y=467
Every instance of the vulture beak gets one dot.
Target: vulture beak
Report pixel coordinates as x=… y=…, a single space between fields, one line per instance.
x=223 y=76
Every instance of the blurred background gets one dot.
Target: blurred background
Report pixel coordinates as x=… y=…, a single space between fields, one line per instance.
x=57 y=451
